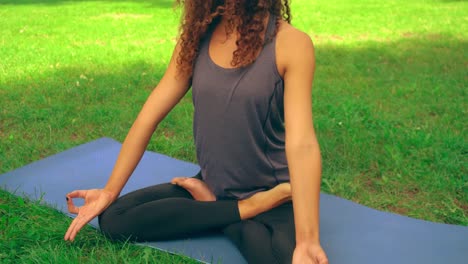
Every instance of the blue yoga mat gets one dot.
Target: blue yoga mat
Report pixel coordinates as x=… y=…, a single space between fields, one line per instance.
x=350 y=233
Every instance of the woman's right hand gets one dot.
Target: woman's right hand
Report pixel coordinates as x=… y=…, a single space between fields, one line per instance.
x=96 y=201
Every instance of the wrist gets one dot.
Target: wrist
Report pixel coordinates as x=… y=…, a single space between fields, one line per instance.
x=112 y=194
x=307 y=238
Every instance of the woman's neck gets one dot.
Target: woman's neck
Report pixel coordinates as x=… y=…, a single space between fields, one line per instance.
x=222 y=25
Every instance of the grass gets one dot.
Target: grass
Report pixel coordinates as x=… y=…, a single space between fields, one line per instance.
x=33 y=234
x=389 y=105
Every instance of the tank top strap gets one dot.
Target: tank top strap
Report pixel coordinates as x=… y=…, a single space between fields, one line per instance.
x=271 y=28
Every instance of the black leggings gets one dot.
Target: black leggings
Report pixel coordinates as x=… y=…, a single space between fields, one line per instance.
x=167 y=211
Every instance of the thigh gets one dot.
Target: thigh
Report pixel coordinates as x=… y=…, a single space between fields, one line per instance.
x=174 y=218
x=149 y=194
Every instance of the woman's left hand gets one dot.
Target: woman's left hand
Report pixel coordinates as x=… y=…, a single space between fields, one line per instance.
x=309 y=253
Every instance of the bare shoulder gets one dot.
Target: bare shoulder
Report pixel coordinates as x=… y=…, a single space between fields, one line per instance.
x=290 y=36
x=292 y=46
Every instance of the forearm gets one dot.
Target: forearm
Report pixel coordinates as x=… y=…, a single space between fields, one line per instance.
x=160 y=102
x=130 y=155
x=305 y=170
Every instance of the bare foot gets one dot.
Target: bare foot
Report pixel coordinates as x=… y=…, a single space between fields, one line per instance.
x=264 y=201
x=197 y=188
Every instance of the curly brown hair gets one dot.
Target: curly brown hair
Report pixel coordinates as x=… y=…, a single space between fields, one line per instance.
x=248 y=16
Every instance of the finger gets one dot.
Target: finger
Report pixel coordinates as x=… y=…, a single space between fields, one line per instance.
x=71 y=233
x=77 y=194
x=75 y=229
x=177 y=180
x=181 y=180
x=71 y=206
x=323 y=260
x=82 y=221
x=70 y=228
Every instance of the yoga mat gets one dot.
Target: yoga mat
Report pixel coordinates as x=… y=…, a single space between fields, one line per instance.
x=350 y=233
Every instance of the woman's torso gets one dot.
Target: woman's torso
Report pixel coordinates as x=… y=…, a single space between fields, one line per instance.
x=238 y=120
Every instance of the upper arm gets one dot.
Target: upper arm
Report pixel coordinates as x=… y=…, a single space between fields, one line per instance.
x=299 y=67
x=166 y=94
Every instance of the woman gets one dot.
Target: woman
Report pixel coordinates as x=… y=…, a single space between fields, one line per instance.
x=251 y=75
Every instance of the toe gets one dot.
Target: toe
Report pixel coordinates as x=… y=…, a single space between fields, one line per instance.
x=178 y=180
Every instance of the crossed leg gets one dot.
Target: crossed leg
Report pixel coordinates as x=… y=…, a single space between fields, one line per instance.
x=168 y=211
x=256 y=204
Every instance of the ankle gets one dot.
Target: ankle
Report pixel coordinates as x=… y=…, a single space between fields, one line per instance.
x=285 y=190
x=244 y=209
x=247 y=209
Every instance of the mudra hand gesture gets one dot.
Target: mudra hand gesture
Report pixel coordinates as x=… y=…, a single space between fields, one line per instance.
x=96 y=201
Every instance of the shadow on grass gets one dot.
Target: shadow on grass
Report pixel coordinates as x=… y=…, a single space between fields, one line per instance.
x=152 y=3
x=389 y=117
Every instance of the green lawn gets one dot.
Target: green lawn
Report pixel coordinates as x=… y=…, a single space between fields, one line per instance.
x=389 y=105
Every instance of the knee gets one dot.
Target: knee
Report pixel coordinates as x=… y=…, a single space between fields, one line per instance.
x=251 y=232
x=276 y=246
x=283 y=245
x=243 y=233
x=112 y=225
x=254 y=242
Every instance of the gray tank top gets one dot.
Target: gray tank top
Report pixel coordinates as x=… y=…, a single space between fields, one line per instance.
x=238 y=123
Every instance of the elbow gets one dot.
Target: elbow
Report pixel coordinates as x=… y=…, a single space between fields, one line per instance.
x=302 y=146
x=143 y=123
